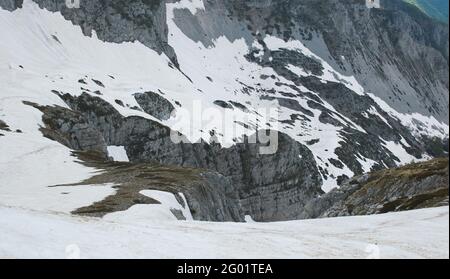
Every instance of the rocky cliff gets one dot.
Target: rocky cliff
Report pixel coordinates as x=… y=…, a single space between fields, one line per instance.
x=266 y=187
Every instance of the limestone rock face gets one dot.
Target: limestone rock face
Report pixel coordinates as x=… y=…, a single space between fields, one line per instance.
x=266 y=187
x=397 y=52
x=239 y=181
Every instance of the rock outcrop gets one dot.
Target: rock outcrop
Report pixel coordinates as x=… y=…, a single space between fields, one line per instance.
x=4 y=126
x=155 y=105
x=414 y=186
x=269 y=187
x=227 y=184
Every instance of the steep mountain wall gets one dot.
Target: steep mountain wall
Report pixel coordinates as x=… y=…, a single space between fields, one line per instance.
x=396 y=53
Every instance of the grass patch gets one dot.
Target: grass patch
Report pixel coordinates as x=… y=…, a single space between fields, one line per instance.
x=130 y=179
x=412 y=172
x=403 y=183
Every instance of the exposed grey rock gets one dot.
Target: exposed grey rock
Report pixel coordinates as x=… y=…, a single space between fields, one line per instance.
x=99 y=83
x=119 y=102
x=350 y=106
x=155 y=105
x=82 y=81
x=416 y=57
x=70 y=129
x=413 y=47
x=294 y=105
x=216 y=200
x=396 y=52
x=268 y=187
x=11 y=5
x=239 y=106
x=115 y=20
x=223 y=104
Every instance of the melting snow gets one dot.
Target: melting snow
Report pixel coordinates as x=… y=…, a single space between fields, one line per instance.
x=153 y=212
x=414 y=234
x=419 y=124
x=399 y=151
x=118 y=153
x=329 y=74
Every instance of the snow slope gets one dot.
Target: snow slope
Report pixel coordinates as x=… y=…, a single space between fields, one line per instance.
x=414 y=234
x=30 y=164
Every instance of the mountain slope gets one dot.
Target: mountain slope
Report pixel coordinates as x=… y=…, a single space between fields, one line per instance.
x=335 y=108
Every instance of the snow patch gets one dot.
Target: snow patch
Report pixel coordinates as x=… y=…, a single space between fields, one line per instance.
x=329 y=74
x=249 y=219
x=399 y=151
x=418 y=124
x=118 y=153
x=366 y=163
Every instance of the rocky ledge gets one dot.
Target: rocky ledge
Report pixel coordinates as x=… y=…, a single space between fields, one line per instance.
x=414 y=186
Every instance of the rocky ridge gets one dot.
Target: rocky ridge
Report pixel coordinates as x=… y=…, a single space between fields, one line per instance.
x=414 y=186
